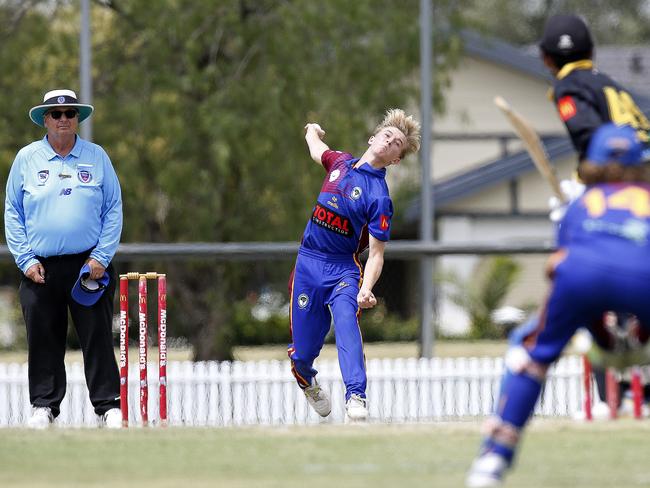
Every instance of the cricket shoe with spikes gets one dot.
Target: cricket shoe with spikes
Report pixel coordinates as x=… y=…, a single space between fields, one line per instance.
x=356 y=409
x=487 y=470
x=318 y=398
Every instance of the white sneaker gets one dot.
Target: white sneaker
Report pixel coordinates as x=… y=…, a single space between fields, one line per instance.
x=486 y=470
x=318 y=398
x=41 y=418
x=601 y=411
x=356 y=408
x=112 y=419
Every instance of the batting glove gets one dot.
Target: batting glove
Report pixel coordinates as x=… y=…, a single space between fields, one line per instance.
x=571 y=189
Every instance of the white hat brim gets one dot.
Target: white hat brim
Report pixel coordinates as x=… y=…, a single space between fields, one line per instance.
x=37 y=113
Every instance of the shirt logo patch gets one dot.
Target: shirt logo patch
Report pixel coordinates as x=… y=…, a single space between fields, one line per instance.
x=331 y=220
x=84 y=175
x=334 y=175
x=43 y=175
x=303 y=300
x=332 y=202
x=65 y=191
x=356 y=193
x=384 y=222
x=567 y=108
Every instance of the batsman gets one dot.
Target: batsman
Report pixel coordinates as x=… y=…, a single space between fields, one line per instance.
x=353 y=212
x=585 y=98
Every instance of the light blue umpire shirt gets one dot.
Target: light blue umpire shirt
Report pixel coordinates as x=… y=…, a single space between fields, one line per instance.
x=58 y=205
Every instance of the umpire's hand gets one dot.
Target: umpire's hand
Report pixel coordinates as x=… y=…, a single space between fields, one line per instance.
x=36 y=273
x=96 y=269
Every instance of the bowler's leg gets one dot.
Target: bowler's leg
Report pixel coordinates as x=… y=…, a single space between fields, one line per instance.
x=349 y=343
x=309 y=319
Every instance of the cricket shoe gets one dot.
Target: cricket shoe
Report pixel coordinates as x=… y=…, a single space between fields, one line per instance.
x=41 y=418
x=601 y=411
x=318 y=398
x=487 y=470
x=356 y=409
x=112 y=419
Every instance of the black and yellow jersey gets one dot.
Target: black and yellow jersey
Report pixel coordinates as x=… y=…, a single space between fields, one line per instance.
x=586 y=99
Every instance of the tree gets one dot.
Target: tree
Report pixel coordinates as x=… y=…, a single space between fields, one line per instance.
x=202 y=104
x=481 y=297
x=522 y=22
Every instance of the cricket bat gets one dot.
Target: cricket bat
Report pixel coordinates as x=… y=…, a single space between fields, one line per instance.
x=533 y=144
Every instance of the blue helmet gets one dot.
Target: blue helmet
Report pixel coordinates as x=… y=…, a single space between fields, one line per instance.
x=615 y=144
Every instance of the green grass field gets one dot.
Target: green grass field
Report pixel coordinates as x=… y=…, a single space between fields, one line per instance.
x=555 y=454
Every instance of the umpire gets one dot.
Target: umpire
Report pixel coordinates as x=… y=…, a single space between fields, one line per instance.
x=63 y=210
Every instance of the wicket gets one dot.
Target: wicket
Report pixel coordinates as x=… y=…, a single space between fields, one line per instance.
x=142 y=349
x=612 y=391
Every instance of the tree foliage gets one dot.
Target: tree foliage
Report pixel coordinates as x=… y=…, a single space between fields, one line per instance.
x=522 y=21
x=481 y=295
x=201 y=106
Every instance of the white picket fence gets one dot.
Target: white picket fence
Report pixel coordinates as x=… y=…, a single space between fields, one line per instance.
x=265 y=393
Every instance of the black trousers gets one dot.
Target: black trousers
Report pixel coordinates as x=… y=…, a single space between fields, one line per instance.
x=45 y=309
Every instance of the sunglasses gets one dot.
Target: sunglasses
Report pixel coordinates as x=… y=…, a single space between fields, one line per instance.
x=69 y=114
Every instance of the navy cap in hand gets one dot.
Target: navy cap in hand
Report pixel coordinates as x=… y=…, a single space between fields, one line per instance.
x=86 y=291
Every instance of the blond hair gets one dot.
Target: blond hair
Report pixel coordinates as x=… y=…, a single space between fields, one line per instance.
x=407 y=125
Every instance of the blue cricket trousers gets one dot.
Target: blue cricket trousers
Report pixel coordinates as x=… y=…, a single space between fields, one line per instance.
x=325 y=287
x=583 y=290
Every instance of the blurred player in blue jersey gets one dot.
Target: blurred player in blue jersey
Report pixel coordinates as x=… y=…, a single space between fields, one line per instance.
x=602 y=264
x=353 y=212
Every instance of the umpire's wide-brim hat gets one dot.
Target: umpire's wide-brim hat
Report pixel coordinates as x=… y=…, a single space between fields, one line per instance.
x=86 y=291
x=59 y=98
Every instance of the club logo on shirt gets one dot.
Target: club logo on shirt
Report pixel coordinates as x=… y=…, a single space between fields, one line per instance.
x=84 y=175
x=356 y=193
x=43 y=176
x=384 y=222
x=334 y=175
x=303 y=300
x=331 y=221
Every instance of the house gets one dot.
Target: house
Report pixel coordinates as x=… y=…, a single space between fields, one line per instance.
x=486 y=188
